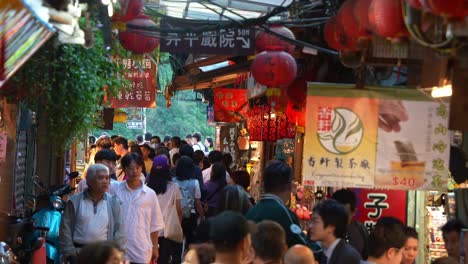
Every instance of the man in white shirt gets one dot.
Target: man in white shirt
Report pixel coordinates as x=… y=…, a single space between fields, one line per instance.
x=141 y=211
x=197 y=144
x=328 y=226
x=215 y=156
x=91 y=216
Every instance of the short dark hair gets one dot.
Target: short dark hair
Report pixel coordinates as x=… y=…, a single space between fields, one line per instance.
x=188 y=136
x=227 y=230
x=157 y=138
x=97 y=252
x=139 y=138
x=215 y=156
x=333 y=213
x=167 y=138
x=387 y=233
x=198 y=156
x=411 y=232
x=132 y=156
x=186 y=150
x=185 y=169
x=162 y=151
x=197 y=135
x=269 y=241
x=452 y=225
x=148 y=136
x=345 y=196
x=104 y=143
x=242 y=178
x=121 y=141
x=277 y=176
x=105 y=154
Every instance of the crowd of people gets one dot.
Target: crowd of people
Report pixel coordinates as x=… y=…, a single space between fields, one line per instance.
x=178 y=201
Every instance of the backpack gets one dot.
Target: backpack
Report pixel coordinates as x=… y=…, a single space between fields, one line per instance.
x=187 y=202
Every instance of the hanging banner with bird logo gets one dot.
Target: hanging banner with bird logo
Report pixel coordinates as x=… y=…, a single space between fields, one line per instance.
x=392 y=138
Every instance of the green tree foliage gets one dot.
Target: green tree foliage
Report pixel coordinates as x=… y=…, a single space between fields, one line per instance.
x=185 y=116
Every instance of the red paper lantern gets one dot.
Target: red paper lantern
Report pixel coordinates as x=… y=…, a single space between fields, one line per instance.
x=265 y=39
x=386 y=19
x=449 y=8
x=360 y=11
x=335 y=37
x=351 y=27
x=263 y=125
x=274 y=68
x=133 y=9
x=415 y=3
x=139 y=43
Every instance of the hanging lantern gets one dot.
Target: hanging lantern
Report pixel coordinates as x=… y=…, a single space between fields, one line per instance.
x=132 y=10
x=264 y=125
x=274 y=68
x=265 y=39
x=415 y=3
x=351 y=27
x=448 y=8
x=277 y=99
x=386 y=19
x=139 y=43
x=335 y=37
x=360 y=11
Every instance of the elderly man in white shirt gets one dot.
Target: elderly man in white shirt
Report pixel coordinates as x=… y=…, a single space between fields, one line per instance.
x=141 y=211
x=91 y=216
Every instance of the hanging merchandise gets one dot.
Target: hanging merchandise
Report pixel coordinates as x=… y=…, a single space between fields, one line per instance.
x=274 y=68
x=138 y=43
x=435 y=218
x=360 y=11
x=334 y=35
x=264 y=125
x=277 y=99
x=295 y=115
x=351 y=27
x=265 y=39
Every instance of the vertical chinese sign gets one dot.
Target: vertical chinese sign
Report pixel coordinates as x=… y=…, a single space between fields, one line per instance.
x=384 y=138
x=371 y=205
x=142 y=80
x=230 y=105
x=228 y=140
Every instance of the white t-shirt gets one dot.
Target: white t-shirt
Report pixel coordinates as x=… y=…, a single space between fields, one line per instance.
x=142 y=216
x=165 y=199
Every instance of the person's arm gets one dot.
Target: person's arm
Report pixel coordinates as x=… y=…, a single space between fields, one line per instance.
x=154 y=239
x=179 y=210
x=119 y=226
x=66 y=231
x=199 y=208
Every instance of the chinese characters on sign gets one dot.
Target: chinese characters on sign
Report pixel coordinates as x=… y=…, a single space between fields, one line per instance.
x=374 y=139
x=230 y=105
x=142 y=80
x=228 y=139
x=239 y=41
x=135 y=119
x=375 y=204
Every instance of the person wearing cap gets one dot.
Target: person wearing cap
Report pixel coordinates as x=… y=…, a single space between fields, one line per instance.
x=166 y=140
x=230 y=234
x=160 y=180
x=277 y=183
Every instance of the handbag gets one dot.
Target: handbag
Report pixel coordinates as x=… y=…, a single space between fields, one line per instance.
x=173 y=229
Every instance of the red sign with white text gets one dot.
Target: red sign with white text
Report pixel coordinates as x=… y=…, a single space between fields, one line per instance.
x=371 y=205
x=230 y=105
x=142 y=79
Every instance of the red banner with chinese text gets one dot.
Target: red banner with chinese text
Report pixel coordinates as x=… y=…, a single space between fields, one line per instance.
x=371 y=205
x=230 y=105
x=142 y=79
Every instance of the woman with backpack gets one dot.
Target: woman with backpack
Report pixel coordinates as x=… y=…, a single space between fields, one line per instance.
x=169 y=196
x=190 y=192
x=213 y=187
